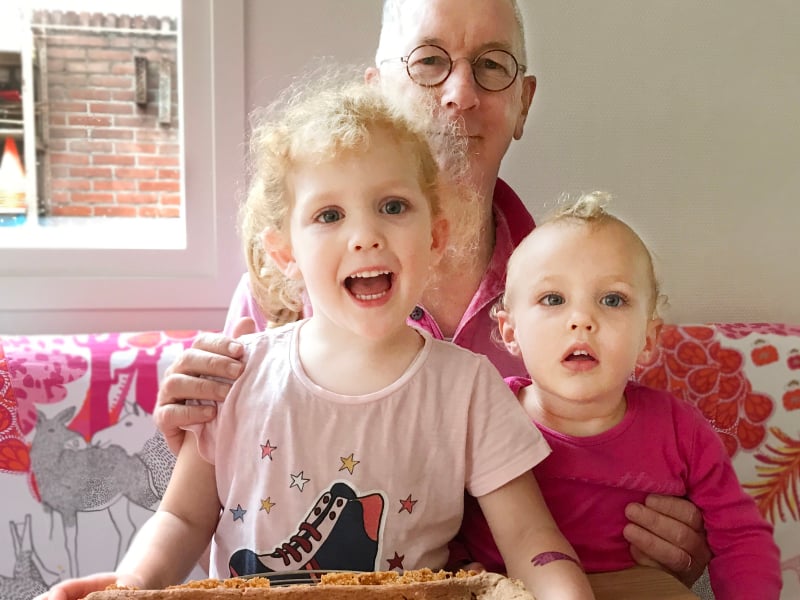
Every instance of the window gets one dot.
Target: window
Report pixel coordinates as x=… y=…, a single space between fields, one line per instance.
x=71 y=272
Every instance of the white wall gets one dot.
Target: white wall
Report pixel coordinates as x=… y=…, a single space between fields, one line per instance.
x=688 y=112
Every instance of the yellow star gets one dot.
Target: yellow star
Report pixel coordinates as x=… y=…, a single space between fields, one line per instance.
x=267 y=504
x=348 y=463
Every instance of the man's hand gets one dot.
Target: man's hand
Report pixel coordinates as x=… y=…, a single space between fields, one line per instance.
x=668 y=533
x=189 y=377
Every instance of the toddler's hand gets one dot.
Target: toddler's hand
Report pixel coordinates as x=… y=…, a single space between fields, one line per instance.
x=75 y=589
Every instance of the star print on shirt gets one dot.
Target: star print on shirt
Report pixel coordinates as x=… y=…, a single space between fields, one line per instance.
x=267 y=504
x=348 y=463
x=238 y=513
x=298 y=481
x=407 y=504
x=396 y=562
x=266 y=450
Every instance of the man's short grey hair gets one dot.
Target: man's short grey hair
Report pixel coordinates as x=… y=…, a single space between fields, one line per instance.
x=390 y=24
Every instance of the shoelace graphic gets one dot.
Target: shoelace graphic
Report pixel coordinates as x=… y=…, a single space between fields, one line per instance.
x=290 y=547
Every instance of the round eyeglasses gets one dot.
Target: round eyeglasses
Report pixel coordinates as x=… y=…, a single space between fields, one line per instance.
x=430 y=65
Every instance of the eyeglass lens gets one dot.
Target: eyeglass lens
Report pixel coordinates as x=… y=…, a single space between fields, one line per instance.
x=494 y=70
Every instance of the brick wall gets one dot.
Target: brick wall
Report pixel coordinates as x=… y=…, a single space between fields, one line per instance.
x=104 y=154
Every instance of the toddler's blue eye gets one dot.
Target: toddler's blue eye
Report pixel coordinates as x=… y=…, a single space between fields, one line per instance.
x=612 y=300
x=394 y=207
x=552 y=300
x=328 y=216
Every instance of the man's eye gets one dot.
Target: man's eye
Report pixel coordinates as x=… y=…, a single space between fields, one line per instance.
x=430 y=61
x=394 y=207
x=612 y=300
x=488 y=66
x=328 y=216
x=552 y=300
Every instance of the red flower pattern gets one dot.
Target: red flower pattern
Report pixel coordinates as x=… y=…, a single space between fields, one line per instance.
x=691 y=363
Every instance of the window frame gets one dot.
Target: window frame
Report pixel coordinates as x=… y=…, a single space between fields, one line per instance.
x=65 y=290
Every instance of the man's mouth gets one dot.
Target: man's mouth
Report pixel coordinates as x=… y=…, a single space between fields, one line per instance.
x=369 y=285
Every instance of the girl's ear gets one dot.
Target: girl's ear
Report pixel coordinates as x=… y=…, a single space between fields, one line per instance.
x=505 y=324
x=279 y=250
x=651 y=339
x=440 y=231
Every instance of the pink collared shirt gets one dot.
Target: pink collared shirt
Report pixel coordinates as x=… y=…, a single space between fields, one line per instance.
x=512 y=223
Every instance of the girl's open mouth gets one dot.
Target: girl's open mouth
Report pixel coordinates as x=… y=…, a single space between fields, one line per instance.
x=369 y=285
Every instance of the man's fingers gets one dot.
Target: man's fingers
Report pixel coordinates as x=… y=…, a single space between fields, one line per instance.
x=649 y=546
x=197 y=362
x=677 y=508
x=672 y=544
x=216 y=343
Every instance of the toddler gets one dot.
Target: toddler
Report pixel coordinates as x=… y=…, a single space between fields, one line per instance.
x=580 y=309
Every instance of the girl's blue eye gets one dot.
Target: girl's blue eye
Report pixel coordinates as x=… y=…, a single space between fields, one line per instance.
x=552 y=300
x=394 y=207
x=612 y=300
x=328 y=216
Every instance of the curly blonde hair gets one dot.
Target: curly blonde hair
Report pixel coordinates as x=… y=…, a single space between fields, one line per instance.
x=319 y=119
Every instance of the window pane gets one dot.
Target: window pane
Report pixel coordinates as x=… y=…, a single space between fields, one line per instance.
x=90 y=124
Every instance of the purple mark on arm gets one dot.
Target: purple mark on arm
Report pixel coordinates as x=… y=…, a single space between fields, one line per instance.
x=548 y=557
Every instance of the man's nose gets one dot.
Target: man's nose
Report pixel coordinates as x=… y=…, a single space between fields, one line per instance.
x=459 y=90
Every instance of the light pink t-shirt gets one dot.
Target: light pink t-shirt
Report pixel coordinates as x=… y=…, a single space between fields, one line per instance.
x=312 y=479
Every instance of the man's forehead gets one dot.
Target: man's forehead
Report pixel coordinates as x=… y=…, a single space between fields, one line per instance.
x=410 y=22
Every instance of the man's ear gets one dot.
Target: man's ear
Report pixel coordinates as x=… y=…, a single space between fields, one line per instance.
x=440 y=232
x=279 y=250
x=528 y=90
x=505 y=324
x=651 y=339
x=372 y=75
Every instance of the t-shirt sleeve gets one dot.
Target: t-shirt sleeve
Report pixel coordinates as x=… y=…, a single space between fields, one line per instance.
x=502 y=441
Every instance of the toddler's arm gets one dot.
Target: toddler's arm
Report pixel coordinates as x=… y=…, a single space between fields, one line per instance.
x=533 y=548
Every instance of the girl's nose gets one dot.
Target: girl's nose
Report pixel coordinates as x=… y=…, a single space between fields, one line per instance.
x=366 y=236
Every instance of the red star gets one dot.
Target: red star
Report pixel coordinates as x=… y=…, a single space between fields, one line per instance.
x=396 y=562
x=407 y=504
x=266 y=450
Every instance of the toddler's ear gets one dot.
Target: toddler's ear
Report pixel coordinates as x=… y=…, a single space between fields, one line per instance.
x=279 y=250
x=505 y=323
x=651 y=340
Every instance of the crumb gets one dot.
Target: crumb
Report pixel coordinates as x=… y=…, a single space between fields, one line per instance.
x=235 y=582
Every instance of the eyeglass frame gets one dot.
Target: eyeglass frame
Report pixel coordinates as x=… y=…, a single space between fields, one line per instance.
x=404 y=59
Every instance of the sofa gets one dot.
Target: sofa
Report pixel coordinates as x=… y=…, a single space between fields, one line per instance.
x=82 y=466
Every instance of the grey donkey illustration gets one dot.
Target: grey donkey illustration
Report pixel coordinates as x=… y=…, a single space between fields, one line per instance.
x=74 y=477
x=28 y=578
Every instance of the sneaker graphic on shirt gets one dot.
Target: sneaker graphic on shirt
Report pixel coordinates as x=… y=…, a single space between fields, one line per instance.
x=340 y=532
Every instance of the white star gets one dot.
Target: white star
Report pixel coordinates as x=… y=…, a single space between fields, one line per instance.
x=299 y=481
